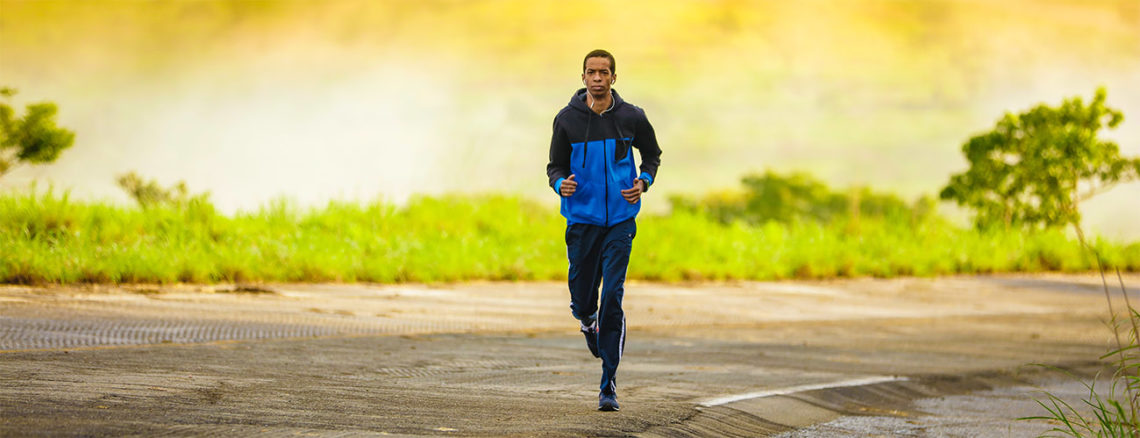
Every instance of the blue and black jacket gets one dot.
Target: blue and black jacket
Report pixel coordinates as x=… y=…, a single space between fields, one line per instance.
x=597 y=150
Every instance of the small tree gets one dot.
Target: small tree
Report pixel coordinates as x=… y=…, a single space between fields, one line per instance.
x=1037 y=167
x=34 y=138
x=150 y=193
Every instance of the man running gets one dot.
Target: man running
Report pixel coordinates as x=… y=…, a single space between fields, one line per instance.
x=592 y=167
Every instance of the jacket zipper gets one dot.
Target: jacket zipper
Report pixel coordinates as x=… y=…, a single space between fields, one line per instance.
x=606 y=167
x=586 y=141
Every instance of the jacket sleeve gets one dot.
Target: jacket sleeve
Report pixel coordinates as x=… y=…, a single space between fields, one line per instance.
x=558 y=167
x=646 y=145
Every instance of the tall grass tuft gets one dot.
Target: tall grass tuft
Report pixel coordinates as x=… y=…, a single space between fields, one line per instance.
x=1114 y=412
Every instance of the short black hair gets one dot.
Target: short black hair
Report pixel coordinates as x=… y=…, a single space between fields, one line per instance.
x=599 y=53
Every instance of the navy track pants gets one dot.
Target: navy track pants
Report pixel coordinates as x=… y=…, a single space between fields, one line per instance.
x=597 y=253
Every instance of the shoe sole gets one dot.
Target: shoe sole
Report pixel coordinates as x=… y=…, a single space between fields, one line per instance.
x=609 y=408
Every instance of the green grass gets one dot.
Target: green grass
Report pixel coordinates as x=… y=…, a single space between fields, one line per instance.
x=47 y=238
x=1105 y=412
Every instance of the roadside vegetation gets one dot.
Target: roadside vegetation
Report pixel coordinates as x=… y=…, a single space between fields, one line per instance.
x=48 y=238
x=1022 y=182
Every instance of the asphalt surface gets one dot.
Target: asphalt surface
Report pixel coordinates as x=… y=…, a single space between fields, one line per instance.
x=902 y=357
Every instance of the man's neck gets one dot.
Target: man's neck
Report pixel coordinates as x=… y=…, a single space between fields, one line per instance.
x=600 y=105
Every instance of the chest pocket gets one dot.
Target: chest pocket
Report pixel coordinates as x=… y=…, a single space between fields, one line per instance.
x=624 y=139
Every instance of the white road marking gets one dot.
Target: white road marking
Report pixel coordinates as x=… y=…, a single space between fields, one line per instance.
x=794 y=389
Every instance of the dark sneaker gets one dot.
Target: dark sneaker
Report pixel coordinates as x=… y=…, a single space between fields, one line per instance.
x=608 y=402
x=591 y=333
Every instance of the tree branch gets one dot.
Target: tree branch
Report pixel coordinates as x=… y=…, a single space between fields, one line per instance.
x=8 y=169
x=1095 y=191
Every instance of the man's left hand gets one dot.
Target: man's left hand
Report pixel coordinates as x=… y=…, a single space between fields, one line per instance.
x=633 y=194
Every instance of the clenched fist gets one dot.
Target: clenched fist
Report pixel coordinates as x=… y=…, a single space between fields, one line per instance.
x=568 y=186
x=633 y=194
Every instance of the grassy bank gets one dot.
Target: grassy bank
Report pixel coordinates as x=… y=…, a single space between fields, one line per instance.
x=47 y=238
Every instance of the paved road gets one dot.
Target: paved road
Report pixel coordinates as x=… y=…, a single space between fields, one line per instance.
x=911 y=357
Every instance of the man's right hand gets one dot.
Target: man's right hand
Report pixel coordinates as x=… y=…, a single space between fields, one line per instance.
x=568 y=186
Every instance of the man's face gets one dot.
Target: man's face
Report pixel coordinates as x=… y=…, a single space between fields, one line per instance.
x=598 y=76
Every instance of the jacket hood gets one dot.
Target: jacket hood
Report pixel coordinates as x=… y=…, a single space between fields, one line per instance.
x=578 y=100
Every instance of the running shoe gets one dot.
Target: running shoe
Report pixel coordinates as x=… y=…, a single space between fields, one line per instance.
x=608 y=402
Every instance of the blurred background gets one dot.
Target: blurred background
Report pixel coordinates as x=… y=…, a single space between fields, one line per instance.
x=362 y=100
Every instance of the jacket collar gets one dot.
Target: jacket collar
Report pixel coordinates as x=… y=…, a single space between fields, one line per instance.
x=578 y=101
